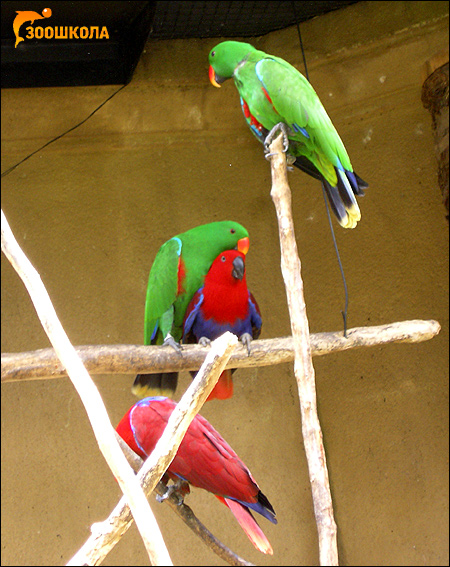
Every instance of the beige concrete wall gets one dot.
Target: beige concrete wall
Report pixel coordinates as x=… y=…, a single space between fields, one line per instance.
x=170 y=152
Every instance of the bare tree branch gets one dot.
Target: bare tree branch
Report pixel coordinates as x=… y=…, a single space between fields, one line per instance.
x=303 y=366
x=132 y=359
x=90 y=397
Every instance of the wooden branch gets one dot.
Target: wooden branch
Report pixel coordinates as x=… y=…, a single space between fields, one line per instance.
x=132 y=359
x=106 y=534
x=90 y=397
x=303 y=367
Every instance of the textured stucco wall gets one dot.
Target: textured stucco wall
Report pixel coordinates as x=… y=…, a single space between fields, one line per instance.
x=168 y=153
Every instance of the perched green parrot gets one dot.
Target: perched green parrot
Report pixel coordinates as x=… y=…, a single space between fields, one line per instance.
x=275 y=96
x=178 y=271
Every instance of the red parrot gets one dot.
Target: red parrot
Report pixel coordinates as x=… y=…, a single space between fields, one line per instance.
x=222 y=304
x=204 y=459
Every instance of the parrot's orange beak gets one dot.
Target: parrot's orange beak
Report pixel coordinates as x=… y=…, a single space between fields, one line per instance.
x=243 y=245
x=212 y=77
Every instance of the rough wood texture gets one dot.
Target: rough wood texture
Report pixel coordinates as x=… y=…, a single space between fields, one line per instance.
x=435 y=99
x=90 y=396
x=130 y=359
x=303 y=367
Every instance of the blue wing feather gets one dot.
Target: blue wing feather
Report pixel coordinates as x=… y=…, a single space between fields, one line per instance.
x=192 y=311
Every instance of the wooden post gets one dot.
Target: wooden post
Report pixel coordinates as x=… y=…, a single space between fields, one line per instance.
x=303 y=367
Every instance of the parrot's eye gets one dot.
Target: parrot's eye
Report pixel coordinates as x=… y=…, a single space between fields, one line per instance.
x=213 y=53
x=223 y=259
x=232 y=231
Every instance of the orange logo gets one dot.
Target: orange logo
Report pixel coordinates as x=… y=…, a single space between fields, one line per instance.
x=23 y=17
x=54 y=32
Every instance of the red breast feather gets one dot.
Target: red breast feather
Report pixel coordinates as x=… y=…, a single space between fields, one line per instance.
x=225 y=297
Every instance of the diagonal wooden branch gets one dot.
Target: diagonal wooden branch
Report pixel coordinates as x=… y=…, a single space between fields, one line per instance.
x=303 y=366
x=90 y=397
x=105 y=535
x=131 y=359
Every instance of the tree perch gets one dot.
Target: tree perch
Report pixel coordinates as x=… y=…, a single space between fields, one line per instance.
x=166 y=447
x=132 y=359
x=303 y=367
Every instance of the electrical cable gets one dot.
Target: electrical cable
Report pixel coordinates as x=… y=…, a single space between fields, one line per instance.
x=63 y=134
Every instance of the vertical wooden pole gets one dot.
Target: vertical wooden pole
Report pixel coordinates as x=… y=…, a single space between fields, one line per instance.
x=303 y=367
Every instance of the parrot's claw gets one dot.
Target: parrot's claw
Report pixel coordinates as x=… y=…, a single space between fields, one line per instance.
x=290 y=160
x=271 y=136
x=170 y=341
x=179 y=489
x=204 y=341
x=246 y=340
x=169 y=491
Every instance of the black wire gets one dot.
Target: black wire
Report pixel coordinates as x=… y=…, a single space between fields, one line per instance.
x=344 y=313
x=61 y=135
x=300 y=39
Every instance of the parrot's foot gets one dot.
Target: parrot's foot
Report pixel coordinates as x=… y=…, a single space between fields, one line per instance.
x=204 y=341
x=271 y=136
x=179 y=489
x=290 y=160
x=246 y=340
x=170 y=341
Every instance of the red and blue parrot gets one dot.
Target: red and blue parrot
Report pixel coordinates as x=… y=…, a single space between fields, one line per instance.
x=223 y=304
x=204 y=459
x=177 y=272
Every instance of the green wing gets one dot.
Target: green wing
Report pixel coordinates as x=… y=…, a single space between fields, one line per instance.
x=294 y=101
x=178 y=271
x=201 y=245
x=162 y=290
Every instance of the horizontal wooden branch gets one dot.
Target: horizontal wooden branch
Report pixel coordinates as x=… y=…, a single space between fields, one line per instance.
x=132 y=359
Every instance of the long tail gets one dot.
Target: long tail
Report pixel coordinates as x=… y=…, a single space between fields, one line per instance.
x=341 y=196
x=161 y=384
x=249 y=525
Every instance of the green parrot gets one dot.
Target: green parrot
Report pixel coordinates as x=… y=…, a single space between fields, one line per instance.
x=275 y=96
x=178 y=271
